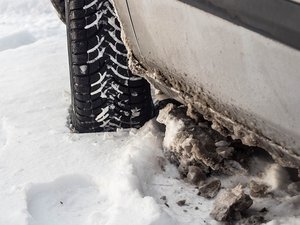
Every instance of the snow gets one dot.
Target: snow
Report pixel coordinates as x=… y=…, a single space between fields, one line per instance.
x=298 y=1
x=275 y=176
x=172 y=129
x=51 y=176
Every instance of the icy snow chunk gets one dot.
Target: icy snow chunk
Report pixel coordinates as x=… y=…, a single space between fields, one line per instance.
x=258 y=190
x=135 y=112
x=83 y=69
x=230 y=204
x=185 y=141
x=210 y=189
x=195 y=175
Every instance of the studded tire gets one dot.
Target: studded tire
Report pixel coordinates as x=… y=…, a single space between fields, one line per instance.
x=105 y=94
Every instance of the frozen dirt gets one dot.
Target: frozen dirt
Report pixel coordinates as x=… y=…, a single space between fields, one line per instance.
x=50 y=176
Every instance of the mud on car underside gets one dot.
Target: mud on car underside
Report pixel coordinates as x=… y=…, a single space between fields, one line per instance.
x=201 y=102
x=235 y=63
x=182 y=69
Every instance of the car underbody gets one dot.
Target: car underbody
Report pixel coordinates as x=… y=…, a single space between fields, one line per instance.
x=258 y=118
x=201 y=102
x=269 y=120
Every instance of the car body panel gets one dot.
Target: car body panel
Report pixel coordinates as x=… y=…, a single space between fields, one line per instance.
x=241 y=74
x=277 y=19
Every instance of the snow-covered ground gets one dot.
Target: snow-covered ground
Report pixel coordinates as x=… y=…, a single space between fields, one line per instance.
x=50 y=176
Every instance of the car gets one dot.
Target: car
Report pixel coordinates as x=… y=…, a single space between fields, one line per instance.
x=235 y=61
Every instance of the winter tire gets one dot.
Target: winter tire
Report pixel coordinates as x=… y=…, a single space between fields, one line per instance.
x=105 y=94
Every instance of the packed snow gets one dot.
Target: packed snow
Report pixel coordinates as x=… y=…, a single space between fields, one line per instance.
x=51 y=176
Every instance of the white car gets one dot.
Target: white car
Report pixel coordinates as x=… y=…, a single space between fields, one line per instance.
x=235 y=61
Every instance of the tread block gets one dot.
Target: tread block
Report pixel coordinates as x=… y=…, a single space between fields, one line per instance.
x=77 y=24
x=76 y=14
x=81 y=80
x=78 y=47
x=76 y=4
x=82 y=89
x=91 y=32
x=81 y=96
x=80 y=59
x=78 y=34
